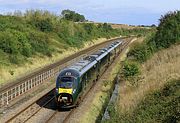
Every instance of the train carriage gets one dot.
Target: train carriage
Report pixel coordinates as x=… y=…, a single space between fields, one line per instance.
x=74 y=81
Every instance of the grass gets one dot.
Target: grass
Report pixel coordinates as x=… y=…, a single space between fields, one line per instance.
x=156 y=72
x=161 y=105
x=11 y=72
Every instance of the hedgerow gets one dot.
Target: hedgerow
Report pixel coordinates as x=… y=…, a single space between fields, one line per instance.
x=24 y=35
x=167 y=34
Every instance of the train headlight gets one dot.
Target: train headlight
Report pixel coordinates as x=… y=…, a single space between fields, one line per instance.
x=57 y=90
x=74 y=91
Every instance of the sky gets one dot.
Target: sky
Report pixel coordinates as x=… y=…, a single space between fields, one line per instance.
x=132 y=12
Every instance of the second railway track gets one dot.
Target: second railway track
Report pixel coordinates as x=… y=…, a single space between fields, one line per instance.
x=28 y=113
x=62 y=117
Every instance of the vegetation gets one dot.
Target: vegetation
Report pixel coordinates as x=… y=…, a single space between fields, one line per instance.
x=72 y=16
x=39 y=32
x=142 y=51
x=130 y=69
x=160 y=106
x=37 y=38
x=168 y=31
x=167 y=34
x=156 y=96
x=33 y=33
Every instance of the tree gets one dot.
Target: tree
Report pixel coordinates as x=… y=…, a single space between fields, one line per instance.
x=168 y=31
x=107 y=27
x=72 y=16
x=153 y=25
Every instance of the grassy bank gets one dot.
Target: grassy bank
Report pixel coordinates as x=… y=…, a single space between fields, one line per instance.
x=159 y=106
x=34 y=63
x=149 y=91
x=150 y=65
x=32 y=39
x=162 y=68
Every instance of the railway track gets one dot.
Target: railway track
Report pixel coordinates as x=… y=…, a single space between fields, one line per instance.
x=29 y=112
x=13 y=90
x=62 y=117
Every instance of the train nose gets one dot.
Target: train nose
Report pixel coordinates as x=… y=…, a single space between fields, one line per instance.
x=65 y=98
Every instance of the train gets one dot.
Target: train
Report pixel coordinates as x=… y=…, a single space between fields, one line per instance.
x=74 y=81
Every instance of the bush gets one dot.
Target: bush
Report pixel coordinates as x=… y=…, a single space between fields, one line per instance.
x=39 y=42
x=168 y=31
x=130 y=69
x=143 y=51
x=140 y=52
x=72 y=16
x=8 y=43
x=24 y=47
x=44 y=25
x=16 y=59
x=160 y=106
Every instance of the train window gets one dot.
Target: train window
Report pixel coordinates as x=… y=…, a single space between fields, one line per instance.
x=68 y=74
x=75 y=85
x=66 y=82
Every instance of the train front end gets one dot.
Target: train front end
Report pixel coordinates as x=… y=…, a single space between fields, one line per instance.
x=65 y=90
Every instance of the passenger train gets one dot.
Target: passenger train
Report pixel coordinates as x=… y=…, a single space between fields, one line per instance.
x=74 y=81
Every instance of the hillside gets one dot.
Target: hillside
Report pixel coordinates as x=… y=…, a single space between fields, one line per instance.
x=36 y=38
x=149 y=87
x=152 y=95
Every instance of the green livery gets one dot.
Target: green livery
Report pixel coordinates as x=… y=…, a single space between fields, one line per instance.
x=74 y=81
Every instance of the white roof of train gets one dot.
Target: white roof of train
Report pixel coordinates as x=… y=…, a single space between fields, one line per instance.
x=88 y=62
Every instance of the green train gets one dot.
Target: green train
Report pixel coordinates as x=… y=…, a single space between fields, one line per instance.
x=74 y=81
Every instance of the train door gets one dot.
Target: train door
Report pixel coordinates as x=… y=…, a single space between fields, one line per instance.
x=76 y=88
x=85 y=81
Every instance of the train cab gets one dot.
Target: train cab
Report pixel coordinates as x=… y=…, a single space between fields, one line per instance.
x=66 y=87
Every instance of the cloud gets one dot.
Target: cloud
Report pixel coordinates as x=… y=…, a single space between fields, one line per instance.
x=120 y=11
x=13 y=2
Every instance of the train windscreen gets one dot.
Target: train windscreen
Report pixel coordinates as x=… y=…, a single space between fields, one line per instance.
x=66 y=82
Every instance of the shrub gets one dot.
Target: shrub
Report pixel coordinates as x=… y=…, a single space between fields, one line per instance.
x=39 y=42
x=72 y=16
x=8 y=43
x=44 y=25
x=16 y=59
x=168 y=30
x=143 y=51
x=130 y=69
x=140 y=52
x=24 y=46
x=159 y=106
